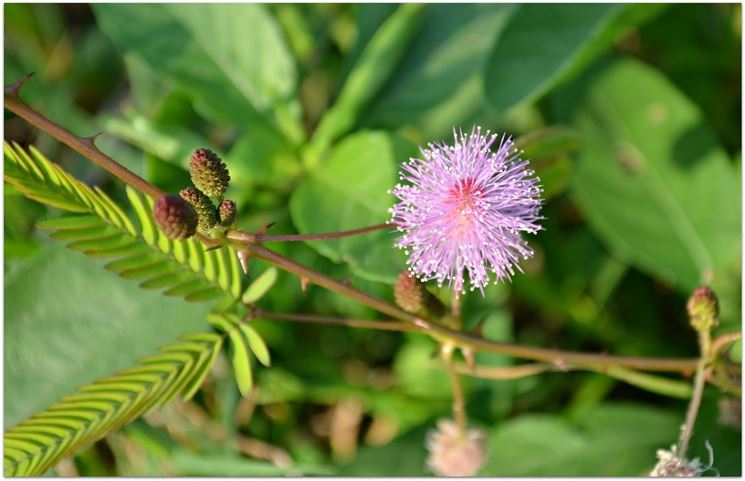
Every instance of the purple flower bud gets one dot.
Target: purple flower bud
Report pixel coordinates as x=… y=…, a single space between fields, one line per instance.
x=202 y=204
x=463 y=210
x=175 y=217
x=208 y=173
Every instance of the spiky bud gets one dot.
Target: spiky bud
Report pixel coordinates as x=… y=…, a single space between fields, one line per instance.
x=409 y=292
x=227 y=213
x=453 y=454
x=175 y=217
x=208 y=172
x=703 y=309
x=206 y=212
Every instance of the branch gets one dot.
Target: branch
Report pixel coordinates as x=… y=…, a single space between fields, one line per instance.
x=248 y=238
x=333 y=321
x=86 y=147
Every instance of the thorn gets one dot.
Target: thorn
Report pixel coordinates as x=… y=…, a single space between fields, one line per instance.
x=304 y=281
x=562 y=365
x=213 y=248
x=478 y=331
x=422 y=323
x=91 y=140
x=346 y=280
x=470 y=357
x=243 y=257
x=13 y=89
x=265 y=228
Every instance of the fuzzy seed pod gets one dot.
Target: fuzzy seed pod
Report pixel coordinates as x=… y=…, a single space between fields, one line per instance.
x=175 y=217
x=227 y=213
x=206 y=212
x=208 y=173
x=451 y=454
x=703 y=309
x=409 y=292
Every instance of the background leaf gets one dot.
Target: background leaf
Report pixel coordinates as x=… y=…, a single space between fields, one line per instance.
x=348 y=191
x=541 y=44
x=59 y=336
x=651 y=175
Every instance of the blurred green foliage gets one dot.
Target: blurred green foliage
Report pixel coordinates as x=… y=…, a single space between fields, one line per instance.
x=631 y=114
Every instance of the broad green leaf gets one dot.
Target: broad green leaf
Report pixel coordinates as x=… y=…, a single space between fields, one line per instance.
x=441 y=70
x=653 y=181
x=348 y=191
x=231 y=58
x=71 y=322
x=373 y=67
x=543 y=43
x=610 y=440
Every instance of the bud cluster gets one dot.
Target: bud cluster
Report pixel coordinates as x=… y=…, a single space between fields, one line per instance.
x=181 y=217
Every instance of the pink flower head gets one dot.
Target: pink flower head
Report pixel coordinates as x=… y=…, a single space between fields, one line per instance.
x=464 y=210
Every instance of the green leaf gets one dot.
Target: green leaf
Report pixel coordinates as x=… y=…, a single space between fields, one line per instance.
x=348 y=191
x=203 y=48
x=95 y=409
x=653 y=181
x=71 y=322
x=543 y=43
x=257 y=344
x=241 y=362
x=373 y=67
x=437 y=83
x=260 y=286
x=611 y=440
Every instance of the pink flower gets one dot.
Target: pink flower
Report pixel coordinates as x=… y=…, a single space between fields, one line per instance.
x=464 y=210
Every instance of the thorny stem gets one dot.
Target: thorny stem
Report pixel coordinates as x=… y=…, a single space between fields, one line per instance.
x=87 y=148
x=461 y=339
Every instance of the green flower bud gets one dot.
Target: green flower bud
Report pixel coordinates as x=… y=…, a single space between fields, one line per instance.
x=208 y=173
x=175 y=217
x=409 y=292
x=227 y=213
x=206 y=212
x=703 y=309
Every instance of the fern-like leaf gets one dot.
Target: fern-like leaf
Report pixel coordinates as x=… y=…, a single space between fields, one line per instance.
x=100 y=228
x=94 y=410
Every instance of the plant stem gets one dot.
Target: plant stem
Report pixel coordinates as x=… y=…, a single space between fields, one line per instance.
x=87 y=148
x=459 y=403
x=698 y=391
x=239 y=236
x=312 y=319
